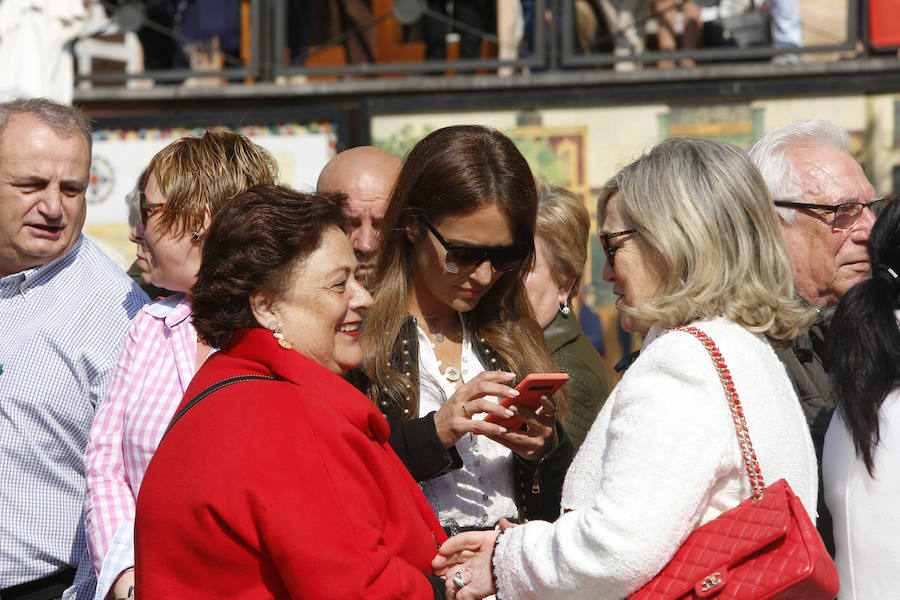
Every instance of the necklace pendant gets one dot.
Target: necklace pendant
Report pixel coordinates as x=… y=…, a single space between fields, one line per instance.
x=438 y=337
x=451 y=374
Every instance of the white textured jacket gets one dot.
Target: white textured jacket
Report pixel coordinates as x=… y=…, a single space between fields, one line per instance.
x=661 y=459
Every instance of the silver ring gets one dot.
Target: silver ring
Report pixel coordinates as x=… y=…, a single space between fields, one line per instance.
x=458 y=580
x=466 y=410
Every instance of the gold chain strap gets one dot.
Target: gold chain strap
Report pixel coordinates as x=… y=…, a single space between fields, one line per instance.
x=737 y=412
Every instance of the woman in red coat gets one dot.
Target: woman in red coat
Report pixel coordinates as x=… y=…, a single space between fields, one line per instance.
x=283 y=487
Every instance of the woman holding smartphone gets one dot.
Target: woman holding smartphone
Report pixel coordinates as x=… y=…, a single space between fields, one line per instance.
x=451 y=331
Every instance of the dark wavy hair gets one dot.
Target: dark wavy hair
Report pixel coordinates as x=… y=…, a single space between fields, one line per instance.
x=253 y=245
x=864 y=339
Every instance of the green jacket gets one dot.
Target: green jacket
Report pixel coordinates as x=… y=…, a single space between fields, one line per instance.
x=587 y=388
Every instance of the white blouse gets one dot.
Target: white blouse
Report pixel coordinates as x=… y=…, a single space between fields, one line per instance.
x=864 y=508
x=481 y=492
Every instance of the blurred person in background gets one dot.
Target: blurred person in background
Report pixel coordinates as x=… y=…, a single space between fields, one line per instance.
x=186 y=184
x=625 y=21
x=666 y=12
x=861 y=462
x=560 y=253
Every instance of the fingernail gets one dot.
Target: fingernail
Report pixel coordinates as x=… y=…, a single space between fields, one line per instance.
x=502 y=429
x=509 y=413
x=514 y=393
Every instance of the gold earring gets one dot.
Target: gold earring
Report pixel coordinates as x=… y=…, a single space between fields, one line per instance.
x=281 y=341
x=272 y=326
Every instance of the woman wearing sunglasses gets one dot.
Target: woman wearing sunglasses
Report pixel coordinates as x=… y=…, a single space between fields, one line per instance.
x=185 y=185
x=451 y=332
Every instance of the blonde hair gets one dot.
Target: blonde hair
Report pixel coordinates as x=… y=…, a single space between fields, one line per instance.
x=564 y=225
x=196 y=175
x=454 y=171
x=703 y=207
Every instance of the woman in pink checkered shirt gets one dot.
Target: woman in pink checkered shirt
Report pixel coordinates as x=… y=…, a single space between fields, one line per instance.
x=186 y=183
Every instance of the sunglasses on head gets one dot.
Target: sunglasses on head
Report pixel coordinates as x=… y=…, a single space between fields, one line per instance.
x=465 y=259
x=147 y=209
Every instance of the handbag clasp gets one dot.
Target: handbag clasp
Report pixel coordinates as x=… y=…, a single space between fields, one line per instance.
x=710 y=585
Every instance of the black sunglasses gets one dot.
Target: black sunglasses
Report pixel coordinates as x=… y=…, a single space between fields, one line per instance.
x=610 y=250
x=148 y=208
x=465 y=259
x=845 y=215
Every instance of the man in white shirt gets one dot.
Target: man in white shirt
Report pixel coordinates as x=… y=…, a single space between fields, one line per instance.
x=64 y=311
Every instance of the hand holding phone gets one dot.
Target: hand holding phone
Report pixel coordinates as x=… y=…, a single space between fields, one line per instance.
x=531 y=388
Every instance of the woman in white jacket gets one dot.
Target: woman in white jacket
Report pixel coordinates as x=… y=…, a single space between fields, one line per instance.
x=691 y=237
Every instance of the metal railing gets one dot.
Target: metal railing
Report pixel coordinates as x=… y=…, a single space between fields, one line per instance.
x=553 y=48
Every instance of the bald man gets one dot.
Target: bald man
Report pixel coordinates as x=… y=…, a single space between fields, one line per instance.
x=366 y=175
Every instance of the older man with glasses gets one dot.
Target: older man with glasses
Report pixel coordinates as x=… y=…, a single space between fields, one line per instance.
x=827 y=208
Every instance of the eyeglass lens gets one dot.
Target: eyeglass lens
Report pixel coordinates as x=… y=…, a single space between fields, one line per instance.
x=847 y=215
x=464 y=259
x=610 y=251
x=461 y=260
x=147 y=208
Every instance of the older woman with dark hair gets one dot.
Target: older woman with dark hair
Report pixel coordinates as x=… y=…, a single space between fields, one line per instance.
x=275 y=478
x=691 y=238
x=560 y=251
x=451 y=329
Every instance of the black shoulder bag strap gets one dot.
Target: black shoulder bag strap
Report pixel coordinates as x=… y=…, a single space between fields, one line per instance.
x=214 y=387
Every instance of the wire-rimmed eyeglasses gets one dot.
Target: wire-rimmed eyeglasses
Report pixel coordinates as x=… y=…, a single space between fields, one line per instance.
x=845 y=215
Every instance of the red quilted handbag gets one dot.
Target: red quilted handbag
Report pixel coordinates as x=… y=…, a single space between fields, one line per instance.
x=765 y=547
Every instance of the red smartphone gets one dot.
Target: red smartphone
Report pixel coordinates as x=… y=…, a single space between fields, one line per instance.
x=530 y=390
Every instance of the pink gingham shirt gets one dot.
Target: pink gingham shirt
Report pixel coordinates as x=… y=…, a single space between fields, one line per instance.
x=157 y=361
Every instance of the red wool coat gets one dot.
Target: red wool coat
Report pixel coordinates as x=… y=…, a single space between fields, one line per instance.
x=280 y=489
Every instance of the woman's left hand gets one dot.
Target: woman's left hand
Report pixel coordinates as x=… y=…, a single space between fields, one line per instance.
x=539 y=436
x=468 y=554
